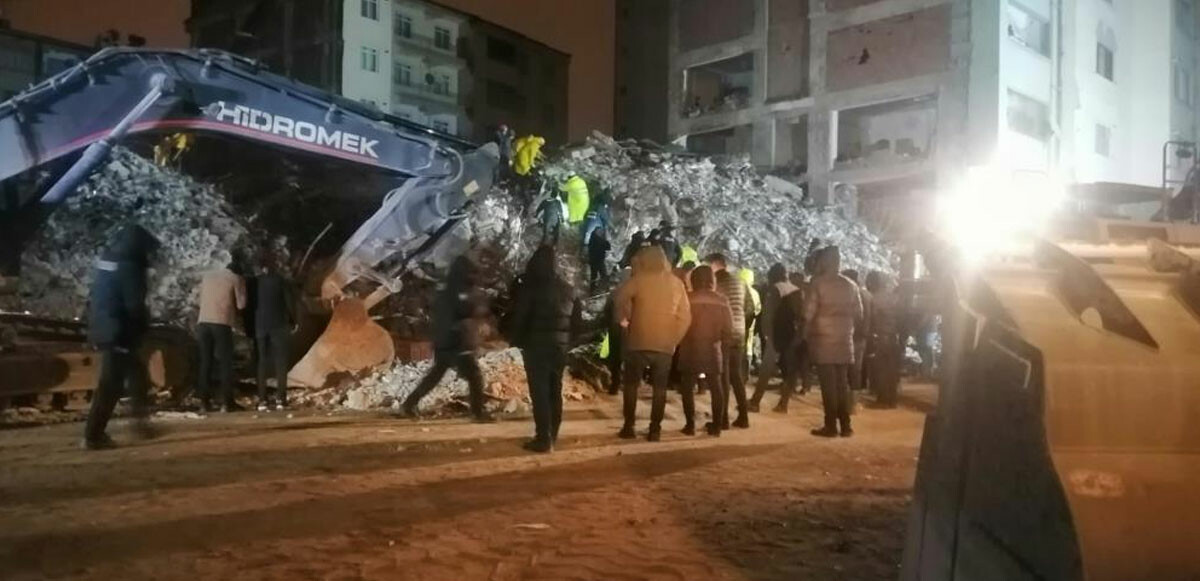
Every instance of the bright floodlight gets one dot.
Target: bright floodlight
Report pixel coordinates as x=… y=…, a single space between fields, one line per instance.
x=994 y=207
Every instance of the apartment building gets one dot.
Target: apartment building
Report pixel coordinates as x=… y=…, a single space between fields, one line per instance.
x=883 y=102
x=26 y=59
x=415 y=59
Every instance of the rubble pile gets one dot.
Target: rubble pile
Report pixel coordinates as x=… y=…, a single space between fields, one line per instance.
x=717 y=205
x=191 y=220
x=504 y=386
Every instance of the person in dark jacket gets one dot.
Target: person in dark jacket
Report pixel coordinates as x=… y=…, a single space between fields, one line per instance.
x=273 y=320
x=551 y=215
x=456 y=311
x=545 y=318
x=597 y=249
x=700 y=354
x=117 y=323
x=636 y=243
x=774 y=356
x=666 y=239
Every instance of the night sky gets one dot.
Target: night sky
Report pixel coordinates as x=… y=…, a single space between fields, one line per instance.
x=582 y=28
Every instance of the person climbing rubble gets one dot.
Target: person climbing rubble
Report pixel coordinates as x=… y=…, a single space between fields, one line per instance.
x=222 y=296
x=734 y=289
x=652 y=308
x=576 y=191
x=700 y=353
x=636 y=242
x=527 y=154
x=117 y=323
x=551 y=214
x=666 y=239
x=597 y=250
x=457 y=308
x=832 y=305
x=778 y=332
x=504 y=139
x=599 y=216
x=274 y=317
x=546 y=317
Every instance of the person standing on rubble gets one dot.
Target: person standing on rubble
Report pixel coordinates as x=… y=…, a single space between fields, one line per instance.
x=504 y=139
x=274 y=317
x=652 y=307
x=885 y=348
x=776 y=356
x=551 y=213
x=598 y=217
x=222 y=295
x=457 y=308
x=636 y=243
x=597 y=250
x=578 y=201
x=832 y=306
x=528 y=153
x=700 y=353
x=737 y=293
x=666 y=239
x=117 y=323
x=545 y=319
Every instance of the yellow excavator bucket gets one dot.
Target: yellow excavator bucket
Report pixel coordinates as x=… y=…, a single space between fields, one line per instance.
x=351 y=343
x=1066 y=444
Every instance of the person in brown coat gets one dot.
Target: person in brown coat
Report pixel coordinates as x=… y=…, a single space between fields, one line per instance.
x=700 y=353
x=831 y=308
x=886 y=351
x=652 y=307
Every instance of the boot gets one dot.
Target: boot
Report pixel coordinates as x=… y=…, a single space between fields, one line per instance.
x=742 y=421
x=826 y=432
x=781 y=407
x=102 y=443
x=539 y=446
x=689 y=429
x=653 y=435
x=713 y=429
x=627 y=433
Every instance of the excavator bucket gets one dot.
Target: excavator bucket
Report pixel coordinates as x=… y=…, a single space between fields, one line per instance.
x=1066 y=443
x=352 y=342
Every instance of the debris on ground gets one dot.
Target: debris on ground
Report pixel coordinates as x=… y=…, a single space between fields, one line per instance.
x=505 y=387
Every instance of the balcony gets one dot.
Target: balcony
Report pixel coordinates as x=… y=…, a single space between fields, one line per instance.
x=432 y=93
x=428 y=45
x=718 y=87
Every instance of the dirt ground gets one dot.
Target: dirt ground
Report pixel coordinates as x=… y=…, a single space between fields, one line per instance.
x=364 y=496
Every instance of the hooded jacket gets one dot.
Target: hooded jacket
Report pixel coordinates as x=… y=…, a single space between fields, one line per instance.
x=654 y=302
x=528 y=151
x=457 y=309
x=832 y=306
x=577 y=199
x=712 y=326
x=547 y=312
x=117 y=312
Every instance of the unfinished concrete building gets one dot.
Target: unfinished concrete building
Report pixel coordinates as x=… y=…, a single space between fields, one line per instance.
x=879 y=103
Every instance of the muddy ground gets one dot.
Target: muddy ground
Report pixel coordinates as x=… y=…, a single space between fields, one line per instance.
x=365 y=496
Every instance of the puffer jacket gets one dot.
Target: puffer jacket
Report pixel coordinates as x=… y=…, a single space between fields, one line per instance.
x=547 y=312
x=712 y=326
x=737 y=292
x=654 y=302
x=832 y=305
x=117 y=310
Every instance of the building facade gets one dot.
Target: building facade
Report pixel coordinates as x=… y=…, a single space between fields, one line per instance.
x=26 y=59
x=415 y=59
x=886 y=101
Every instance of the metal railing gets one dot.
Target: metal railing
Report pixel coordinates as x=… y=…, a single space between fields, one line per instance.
x=429 y=42
x=435 y=91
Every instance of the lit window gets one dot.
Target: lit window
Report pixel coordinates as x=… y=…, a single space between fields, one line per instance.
x=1181 y=83
x=1028 y=28
x=403 y=74
x=1103 y=139
x=1028 y=116
x=404 y=26
x=441 y=38
x=369 y=9
x=1104 y=61
x=369 y=59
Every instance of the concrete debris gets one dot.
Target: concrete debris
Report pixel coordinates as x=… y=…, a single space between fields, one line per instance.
x=503 y=375
x=192 y=220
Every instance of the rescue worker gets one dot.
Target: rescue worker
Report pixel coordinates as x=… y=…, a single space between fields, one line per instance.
x=576 y=191
x=551 y=213
x=527 y=154
x=885 y=349
x=832 y=306
x=666 y=239
x=636 y=243
x=597 y=249
x=222 y=296
x=598 y=216
x=652 y=307
x=778 y=287
x=688 y=254
x=504 y=139
x=456 y=311
x=274 y=317
x=117 y=323
x=545 y=318
x=700 y=353
x=753 y=307
x=737 y=294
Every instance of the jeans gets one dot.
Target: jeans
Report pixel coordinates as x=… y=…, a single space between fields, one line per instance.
x=118 y=367
x=544 y=371
x=636 y=363
x=835 y=394
x=686 y=392
x=733 y=378
x=467 y=368
x=216 y=342
x=273 y=355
